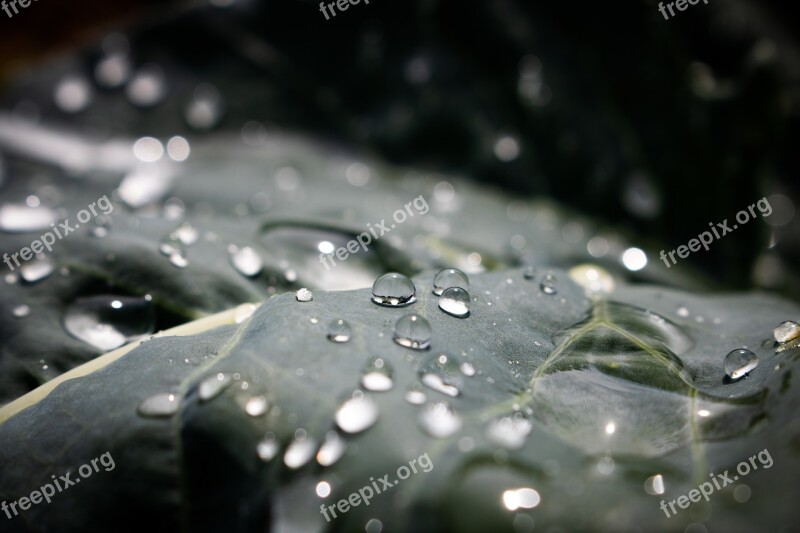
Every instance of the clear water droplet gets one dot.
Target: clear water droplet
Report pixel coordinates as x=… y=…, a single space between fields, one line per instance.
x=72 y=94
x=213 y=385
x=455 y=302
x=299 y=452
x=393 y=290
x=654 y=485
x=548 y=284
x=143 y=186
x=377 y=376
x=467 y=369
x=787 y=331
x=415 y=395
x=522 y=498
x=107 y=322
x=256 y=406
x=509 y=431
x=204 y=110
x=247 y=262
x=449 y=277
x=331 y=450
x=739 y=363
x=304 y=295
x=268 y=447
x=34 y=271
x=373 y=525
x=21 y=311
x=147 y=87
x=442 y=373
x=529 y=272
x=439 y=420
x=413 y=331
x=186 y=234
x=21 y=218
x=339 y=330
x=164 y=404
x=179 y=260
x=357 y=414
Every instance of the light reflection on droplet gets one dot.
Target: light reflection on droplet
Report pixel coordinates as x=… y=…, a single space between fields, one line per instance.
x=634 y=259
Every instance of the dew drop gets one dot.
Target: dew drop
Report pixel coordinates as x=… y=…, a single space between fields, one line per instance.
x=654 y=485
x=357 y=414
x=529 y=272
x=449 y=277
x=455 y=302
x=268 y=447
x=441 y=373
x=787 y=331
x=107 y=322
x=213 y=385
x=393 y=290
x=179 y=260
x=304 y=295
x=548 y=284
x=331 y=450
x=415 y=396
x=439 y=420
x=72 y=94
x=377 y=376
x=592 y=278
x=256 y=406
x=147 y=87
x=739 y=363
x=467 y=369
x=509 y=431
x=247 y=262
x=413 y=331
x=21 y=311
x=299 y=452
x=164 y=404
x=339 y=331
x=38 y=270
x=522 y=498
x=21 y=218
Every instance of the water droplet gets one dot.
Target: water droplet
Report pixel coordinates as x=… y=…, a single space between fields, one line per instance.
x=213 y=385
x=21 y=218
x=107 y=322
x=323 y=489
x=159 y=405
x=147 y=87
x=143 y=186
x=204 y=110
x=21 y=311
x=72 y=94
x=442 y=373
x=247 y=261
x=268 y=447
x=243 y=312
x=439 y=420
x=548 y=284
x=179 y=260
x=393 y=290
x=449 y=277
x=373 y=526
x=339 y=331
x=522 y=498
x=787 y=331
x=467 y=369
x=529 y=272
x=377 y=376
x=38 y=270
x=592 y=278
x=455 y=302
x=509 y=431
x=331 y=450
x=186 y=234
x=415 y=396
x=304 y=295
x=299 y=452
x=357 y=414
x=413 y=331
x=256 y=406
x=654 y=485
x=739 y=363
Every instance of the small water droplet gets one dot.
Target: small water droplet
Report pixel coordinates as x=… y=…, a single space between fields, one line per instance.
x=548 y=284
x=654 y=485
x=377 y=376
x=159 y=405
x=467 y=369
x=529 y=272
x=213 y=385
x=186 y=234
x=304 y=295
x=299 y=452
x=439 y=420
x=739 y=363
x=331 y=450
x=357 y=414
x=72 y=94
x=442 y=373
x=415 y=396
x=107 y=322
x=21 y=311
x=256 y=406
x=683 y=312
x=147 y=87
x=787 y=331
x=522 y=498
x=455 y=302
x=21 y=218
x=393 y=290
x=34 y=271
x=449 y=277
x=373 y=526
x=509 y=431
x=204 y=110
x=413 y=331
x=339 y=331
x=268 y=447
x=247 y=262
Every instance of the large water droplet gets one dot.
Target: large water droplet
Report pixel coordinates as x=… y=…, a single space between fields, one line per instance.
x=548 y=284
x=455 y=302
x=159 y=405
x=21 y=218
x=357 y=414
x=332 y=449
x=339 y=330
x=439 y=420
x=213 y=385
x=449 y=277
x=787 y=331
x=247 y=261
x=299 y=452
x=107 y=322
x=413 y=331
x=268 y=447
x=38 y=270
x=304 y=295
x=377 y=376
x=739 y=363
x=393 y=290
x=509 y=431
